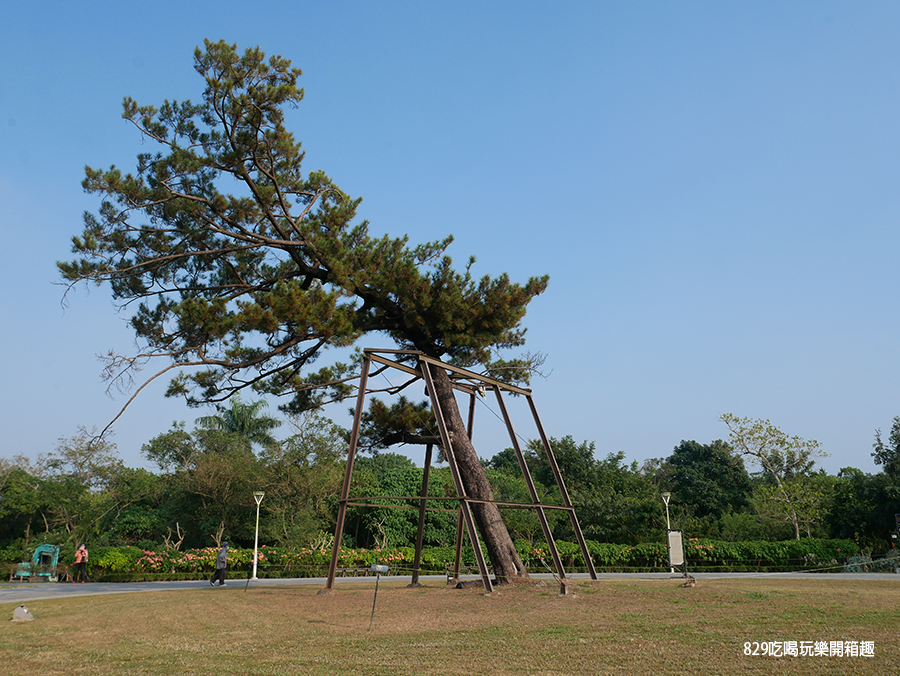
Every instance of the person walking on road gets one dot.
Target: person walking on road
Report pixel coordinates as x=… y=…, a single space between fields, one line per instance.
x=81 y=559
x=221 y=565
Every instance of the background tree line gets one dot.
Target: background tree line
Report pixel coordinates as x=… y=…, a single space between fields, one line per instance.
x=758 y=485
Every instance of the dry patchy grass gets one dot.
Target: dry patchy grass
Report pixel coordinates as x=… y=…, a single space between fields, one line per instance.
x=623 y=627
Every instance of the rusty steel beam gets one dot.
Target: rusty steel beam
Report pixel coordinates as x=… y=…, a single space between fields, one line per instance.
x=470 y=424
x=463 y=387
x=348 y=473
x=535 y=498
x=359 y=502
x=355 y=503
x=474 y=376
x=450 y=457
x=402 y=497
x=395 y=364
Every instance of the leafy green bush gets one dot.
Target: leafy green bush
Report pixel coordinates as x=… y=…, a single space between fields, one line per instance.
x=133 y=563
x=14 y=553
x=606 y=554
x=114 y=559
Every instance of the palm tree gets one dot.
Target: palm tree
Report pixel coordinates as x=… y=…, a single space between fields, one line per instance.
x=244 y=420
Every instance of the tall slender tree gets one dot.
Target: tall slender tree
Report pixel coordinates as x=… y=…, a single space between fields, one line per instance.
x=245 y=420
x=249 y=288
x=784 y=460
x=888 y=454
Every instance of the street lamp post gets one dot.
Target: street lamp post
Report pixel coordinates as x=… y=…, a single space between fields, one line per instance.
x=665 y=497
x=258 y=496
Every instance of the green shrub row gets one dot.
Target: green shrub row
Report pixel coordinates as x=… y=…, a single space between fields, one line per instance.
x=706 y=554
x=132 y=563
x=807 y=553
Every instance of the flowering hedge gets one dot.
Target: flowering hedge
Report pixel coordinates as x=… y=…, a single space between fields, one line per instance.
x=132 y=563
x=714 y=554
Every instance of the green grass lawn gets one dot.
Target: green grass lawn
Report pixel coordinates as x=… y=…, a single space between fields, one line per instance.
x=628 y=627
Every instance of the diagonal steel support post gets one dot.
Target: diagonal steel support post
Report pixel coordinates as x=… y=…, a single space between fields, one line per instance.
x=348 y=475
x=535 y=498
x=567 y=501
x=450 y=457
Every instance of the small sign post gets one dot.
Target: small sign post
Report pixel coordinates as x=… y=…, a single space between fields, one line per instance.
x=378 y=570
x=675 y=542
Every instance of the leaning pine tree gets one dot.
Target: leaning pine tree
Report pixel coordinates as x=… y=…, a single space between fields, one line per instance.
x=250 y=288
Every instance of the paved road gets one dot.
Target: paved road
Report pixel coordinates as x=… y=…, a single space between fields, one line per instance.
x=26 y=591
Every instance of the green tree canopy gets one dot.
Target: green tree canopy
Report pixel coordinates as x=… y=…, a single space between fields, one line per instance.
x=90 y=460
x=243 y=420
x=23 y=504
x=215 y=472
x=301 y=478
x=888 y=454
x=391 y=474
x=613 y=500
x=862 y=507
x=402 y=422
x=709 y=478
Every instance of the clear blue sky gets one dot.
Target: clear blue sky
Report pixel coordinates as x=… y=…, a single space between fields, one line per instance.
x=712 y=188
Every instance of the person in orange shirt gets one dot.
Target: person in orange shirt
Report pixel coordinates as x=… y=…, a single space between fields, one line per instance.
x=81 y=559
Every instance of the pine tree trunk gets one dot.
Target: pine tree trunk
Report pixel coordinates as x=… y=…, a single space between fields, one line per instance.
x=502 y=553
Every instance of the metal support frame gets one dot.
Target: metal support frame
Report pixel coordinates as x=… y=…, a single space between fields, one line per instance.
x=470 y=383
